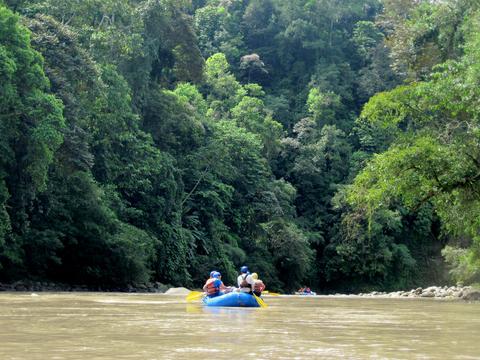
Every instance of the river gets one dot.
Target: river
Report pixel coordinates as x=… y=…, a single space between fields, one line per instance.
x=152 y=326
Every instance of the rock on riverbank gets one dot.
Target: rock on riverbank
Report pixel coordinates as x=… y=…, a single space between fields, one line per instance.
x=446 y=292
x=177 y=291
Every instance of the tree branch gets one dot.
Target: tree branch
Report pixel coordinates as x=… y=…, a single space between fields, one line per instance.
x=202 y=176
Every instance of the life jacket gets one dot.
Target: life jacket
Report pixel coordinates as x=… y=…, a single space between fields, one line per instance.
x=259 y=286
x=211 y=288
x=244 y=283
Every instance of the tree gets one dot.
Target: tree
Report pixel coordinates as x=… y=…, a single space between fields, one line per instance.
x=224 y=90
x=323 y=106
x=253 y=66
x=172 y=125
x=110 y=28
x=218 y=31
x=292 y=255
x=422 y=34
x=368 y=250
x=31 y=125
x=434 y=158
x=251 y=114
x=376 y=74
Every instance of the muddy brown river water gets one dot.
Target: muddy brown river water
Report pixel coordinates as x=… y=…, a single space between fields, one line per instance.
x=152 y=326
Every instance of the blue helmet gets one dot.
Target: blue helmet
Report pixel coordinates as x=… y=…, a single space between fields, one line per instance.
x=244 y=269
x=216 y=274
x=212 y=272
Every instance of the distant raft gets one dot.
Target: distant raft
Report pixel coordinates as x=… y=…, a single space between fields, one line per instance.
x=303 y=293
x=233 y=299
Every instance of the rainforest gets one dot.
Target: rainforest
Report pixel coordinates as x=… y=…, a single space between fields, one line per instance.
x=323 y=143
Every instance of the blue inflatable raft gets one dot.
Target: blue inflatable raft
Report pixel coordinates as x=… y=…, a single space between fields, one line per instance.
x=303 y=293
x=233 y=299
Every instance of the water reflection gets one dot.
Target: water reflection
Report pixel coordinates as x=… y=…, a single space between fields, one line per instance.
x=232 y=312
x=194 y=309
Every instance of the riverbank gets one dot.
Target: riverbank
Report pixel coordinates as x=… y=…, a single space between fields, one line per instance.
x=466 y=293
x=38 y=286
x=438 y=292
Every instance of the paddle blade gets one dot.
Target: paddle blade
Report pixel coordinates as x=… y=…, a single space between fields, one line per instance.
x=194 y=296
x=260 y=301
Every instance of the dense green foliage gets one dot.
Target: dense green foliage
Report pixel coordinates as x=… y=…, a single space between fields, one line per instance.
x=432 y=158
x=325 y=142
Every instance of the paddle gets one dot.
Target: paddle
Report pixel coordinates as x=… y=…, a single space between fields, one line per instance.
x=271 y=293
x=260 y=301
x=194 y=296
